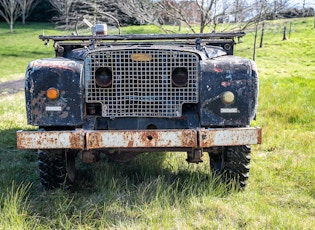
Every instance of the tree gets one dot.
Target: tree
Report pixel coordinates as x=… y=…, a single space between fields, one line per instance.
x=260 y=11
x=42 y=12
x=189 y=12
x=101 y=11
x=145 y=11
x=26 y=7
x=240 y=10
x=64 y=9
x=72 y=12
x=207 y=11
x=10 y=11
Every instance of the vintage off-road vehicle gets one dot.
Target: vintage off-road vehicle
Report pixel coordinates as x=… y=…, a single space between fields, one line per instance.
x=126 y=94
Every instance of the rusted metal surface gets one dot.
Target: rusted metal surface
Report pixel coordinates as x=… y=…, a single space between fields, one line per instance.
x=88 y=140
x=194 y=156
x=141 y=139
x=230 y=137
x=50 y=139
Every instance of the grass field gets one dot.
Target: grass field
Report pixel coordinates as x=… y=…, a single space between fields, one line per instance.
x=161 y=191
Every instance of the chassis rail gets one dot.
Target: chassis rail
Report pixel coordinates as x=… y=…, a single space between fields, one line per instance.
x=136 y=139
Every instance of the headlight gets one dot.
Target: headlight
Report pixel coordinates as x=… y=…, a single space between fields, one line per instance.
x=228 y=97
x=180 y=77
x=103 y=77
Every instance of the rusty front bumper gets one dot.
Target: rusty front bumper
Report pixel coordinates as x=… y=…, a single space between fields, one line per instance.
x=103 y=139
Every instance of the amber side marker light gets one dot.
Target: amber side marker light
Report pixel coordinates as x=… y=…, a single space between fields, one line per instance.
x=52 y=93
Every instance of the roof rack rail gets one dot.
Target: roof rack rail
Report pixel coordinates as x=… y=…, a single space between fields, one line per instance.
x=145 y=37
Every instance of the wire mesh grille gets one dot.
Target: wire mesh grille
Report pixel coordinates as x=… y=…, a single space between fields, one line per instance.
x=141 y=88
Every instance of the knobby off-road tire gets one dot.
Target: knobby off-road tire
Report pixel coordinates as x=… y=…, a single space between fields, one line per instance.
x=56 y=168
x=232 y=164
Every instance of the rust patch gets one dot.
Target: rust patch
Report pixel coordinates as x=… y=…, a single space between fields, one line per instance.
x=138 y=139
x=130 y=144
x=93 y=139
x=230 y=137
x=142 y=139
x=150 y=138
x=190 y=138
x=77 y=139
x=64 y=115
x=218 y=70
x=225 y=84
x=50 y=140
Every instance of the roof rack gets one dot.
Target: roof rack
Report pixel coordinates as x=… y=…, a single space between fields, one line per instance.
x=145 y=37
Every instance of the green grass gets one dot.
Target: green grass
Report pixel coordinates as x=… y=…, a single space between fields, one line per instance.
x=22 y=46
x=161 y=191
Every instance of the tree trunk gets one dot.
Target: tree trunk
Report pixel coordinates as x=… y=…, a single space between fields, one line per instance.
x=255 y=39
x=262 y=35
x=11 y=24
x=23 y=11
x=23 y=17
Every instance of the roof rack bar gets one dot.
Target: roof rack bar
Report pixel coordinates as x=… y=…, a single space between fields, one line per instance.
x=145 y=37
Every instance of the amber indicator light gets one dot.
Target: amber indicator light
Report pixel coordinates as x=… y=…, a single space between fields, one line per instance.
x=52 y=93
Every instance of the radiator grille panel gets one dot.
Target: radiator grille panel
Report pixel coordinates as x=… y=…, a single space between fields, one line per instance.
x=141 y=88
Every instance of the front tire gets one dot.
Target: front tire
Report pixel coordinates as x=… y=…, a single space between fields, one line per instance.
x=231 y=163
x=56 y=168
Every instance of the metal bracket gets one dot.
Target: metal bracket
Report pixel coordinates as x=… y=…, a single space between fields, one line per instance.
x=194 y=156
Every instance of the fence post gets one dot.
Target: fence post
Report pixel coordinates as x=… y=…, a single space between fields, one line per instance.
x=284 y=33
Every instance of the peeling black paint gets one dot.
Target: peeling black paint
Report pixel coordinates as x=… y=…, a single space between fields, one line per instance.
x=62 y=74
x=228 y=73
